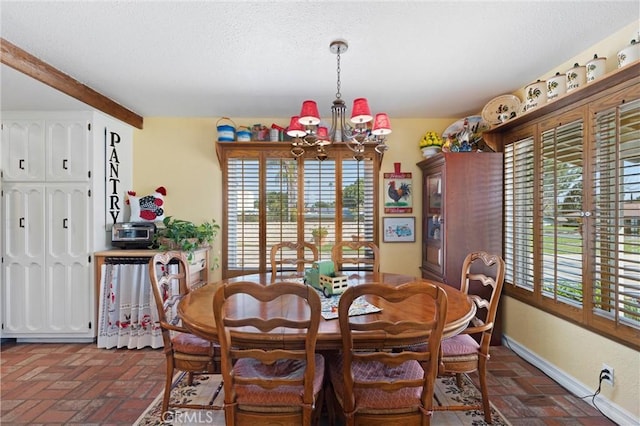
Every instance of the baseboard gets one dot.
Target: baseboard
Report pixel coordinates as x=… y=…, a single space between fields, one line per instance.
x=611 y=410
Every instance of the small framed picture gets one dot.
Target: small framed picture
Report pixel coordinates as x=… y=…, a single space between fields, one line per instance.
x=399 y=229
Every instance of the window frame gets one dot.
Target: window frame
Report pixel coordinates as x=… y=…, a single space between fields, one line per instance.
x=264 y=151
x=585 y=108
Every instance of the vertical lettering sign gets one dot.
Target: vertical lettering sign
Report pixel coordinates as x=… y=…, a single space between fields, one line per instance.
x=113 y=186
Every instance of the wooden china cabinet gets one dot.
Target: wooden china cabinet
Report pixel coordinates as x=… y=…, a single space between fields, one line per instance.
x=461 y=213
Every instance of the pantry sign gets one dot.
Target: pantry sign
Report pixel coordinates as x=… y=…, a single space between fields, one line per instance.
x=114 y=191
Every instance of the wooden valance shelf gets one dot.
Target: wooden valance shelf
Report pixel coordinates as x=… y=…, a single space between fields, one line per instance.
x=283 y=149
x=611 y=82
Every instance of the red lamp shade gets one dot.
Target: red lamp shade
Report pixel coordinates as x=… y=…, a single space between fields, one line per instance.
x=361 y=112
x=295 y=129
x=309 y=115
x=381 y=125
x=323 y=133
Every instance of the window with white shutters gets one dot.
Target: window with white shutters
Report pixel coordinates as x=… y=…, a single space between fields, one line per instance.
x=271 y=197
x=572 y=214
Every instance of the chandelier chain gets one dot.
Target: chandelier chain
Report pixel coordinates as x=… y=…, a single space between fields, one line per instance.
x=338 y=95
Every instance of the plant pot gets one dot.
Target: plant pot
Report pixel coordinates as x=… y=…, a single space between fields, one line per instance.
x=172 y=245
x=319 y=240
x=430 y=151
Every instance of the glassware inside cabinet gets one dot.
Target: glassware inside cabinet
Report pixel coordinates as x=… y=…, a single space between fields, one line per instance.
x=434 y=203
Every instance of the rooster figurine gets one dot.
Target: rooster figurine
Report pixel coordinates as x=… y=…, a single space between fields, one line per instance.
x=396 y=194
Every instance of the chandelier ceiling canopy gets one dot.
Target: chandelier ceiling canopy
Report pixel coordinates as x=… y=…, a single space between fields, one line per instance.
x=362 y=129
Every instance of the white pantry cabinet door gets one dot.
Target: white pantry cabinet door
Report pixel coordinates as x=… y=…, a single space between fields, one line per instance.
x=23 y=150
x=67 y=150
x=67 y=261
x=24 y=288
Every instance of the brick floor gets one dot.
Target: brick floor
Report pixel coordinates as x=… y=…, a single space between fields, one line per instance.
x=80 y=384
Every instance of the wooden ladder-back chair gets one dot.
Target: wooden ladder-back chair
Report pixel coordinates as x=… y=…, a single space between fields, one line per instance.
x=184 y=351
x=270 y=370
x=386 y=386
x=300 y=254
x=462 y=353
x=366 y=252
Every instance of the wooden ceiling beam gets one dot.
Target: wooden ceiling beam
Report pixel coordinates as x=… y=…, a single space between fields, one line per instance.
x=28 y=64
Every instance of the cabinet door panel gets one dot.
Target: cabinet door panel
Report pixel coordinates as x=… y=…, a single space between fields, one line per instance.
x=67 y=150
x=23 y=266
x=23 y=212
x=68 y=297
x=68 y=273
x=67 y=222
x=23 y=296
x=23 y=150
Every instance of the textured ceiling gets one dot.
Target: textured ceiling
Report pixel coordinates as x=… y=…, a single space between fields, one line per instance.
x=262 y=59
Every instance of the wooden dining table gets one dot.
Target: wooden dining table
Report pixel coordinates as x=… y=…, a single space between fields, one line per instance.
x=196 y=310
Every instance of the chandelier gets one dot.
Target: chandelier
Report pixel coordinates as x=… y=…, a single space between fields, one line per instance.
x=363 y=129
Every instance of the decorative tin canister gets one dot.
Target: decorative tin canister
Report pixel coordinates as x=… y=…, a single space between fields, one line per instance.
x=226 y=132
x=629 y=54
x=244 y=134
x=535 y=95
x=576 y=77
x=595 y=68
x=556 y=86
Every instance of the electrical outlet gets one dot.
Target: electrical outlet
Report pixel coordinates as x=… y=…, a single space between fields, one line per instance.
x=607 y=374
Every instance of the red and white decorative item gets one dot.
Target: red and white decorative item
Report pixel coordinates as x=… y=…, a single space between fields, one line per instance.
x=148 y=208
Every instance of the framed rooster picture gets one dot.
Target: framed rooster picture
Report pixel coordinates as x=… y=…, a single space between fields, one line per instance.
x=398 y=191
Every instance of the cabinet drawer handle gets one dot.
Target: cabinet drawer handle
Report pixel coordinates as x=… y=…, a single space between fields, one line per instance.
x=21 y=222
x=65 y=222
x=21 y=164
x=64 y=164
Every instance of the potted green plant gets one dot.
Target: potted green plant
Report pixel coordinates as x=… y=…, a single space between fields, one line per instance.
x=319 y=234
x=183 y=235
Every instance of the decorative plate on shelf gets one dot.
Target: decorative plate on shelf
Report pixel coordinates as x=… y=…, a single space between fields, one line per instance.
x=476 y=125
x=500 y=109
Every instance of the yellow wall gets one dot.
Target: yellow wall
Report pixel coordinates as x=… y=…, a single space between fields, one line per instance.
x=179 y=153
x=576 y=351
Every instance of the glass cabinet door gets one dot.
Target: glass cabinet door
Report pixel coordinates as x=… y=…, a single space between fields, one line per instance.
x=433 y=229
x=434 y=206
